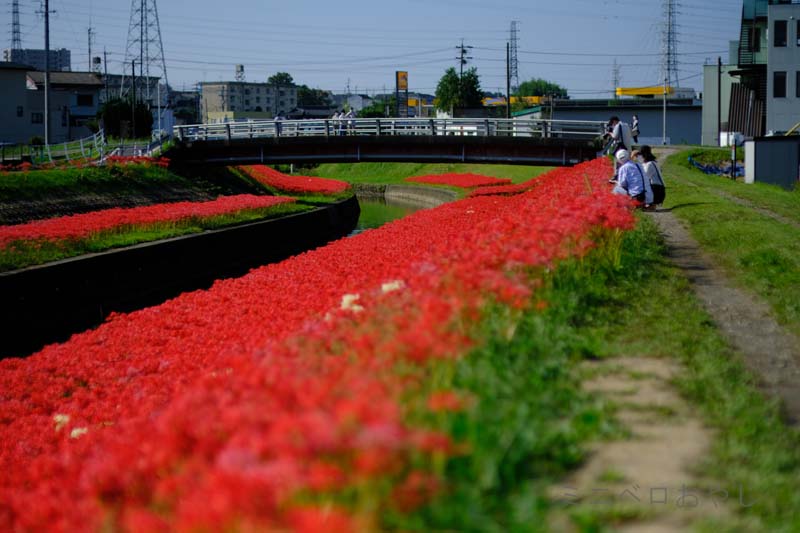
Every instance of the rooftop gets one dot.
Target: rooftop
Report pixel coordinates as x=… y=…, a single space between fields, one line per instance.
x=67 y=78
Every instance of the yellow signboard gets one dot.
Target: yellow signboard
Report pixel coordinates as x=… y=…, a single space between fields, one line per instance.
x=402 y=80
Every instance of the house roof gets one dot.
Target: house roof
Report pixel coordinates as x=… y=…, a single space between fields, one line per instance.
x=8 y=65
x=67 y=78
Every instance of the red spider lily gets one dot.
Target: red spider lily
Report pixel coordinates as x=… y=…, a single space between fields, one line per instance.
x=249 y=405
x=84 y=225
x=466 y=181
x=137 y=160
x=294 y=184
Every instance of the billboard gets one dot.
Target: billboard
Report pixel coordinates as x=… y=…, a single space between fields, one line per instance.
x=401 y=93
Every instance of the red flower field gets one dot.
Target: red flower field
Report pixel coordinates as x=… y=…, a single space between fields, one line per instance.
x=277 y=400
x=294 y=184
x=84 y=225
x=466 y=181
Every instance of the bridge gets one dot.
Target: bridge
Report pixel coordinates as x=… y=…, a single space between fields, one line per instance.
x=422 y=140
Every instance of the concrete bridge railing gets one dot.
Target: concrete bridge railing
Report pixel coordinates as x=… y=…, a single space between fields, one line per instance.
x=480 y=127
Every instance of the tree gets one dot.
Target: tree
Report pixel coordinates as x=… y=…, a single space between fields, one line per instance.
x=447 y=91
x=471 y=93
x=117 y=112
x=377 y=109
x=312 y=97
x=284 y=79
x=453 y=92
x=540 y=87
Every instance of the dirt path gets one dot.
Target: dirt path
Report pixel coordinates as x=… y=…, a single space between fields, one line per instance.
x=647 y=482
x=770 y=352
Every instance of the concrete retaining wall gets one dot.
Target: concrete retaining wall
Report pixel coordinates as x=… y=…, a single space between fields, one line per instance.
x=420 y=195
x=48 y=303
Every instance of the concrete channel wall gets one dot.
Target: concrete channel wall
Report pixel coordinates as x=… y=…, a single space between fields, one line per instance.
x=417 y=195
x=48 y=303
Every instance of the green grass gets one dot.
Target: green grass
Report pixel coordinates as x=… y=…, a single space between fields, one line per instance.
x=776 y=199
x=758 y=252
x=531 y=421
x=395 y=173
x=655 y=314
x=27 y=253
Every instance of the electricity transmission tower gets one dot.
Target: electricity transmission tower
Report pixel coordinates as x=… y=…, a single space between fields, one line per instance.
x=16 y=34
x=616 y=76
x=669 y=43
x=514 y=61
x=144 y=48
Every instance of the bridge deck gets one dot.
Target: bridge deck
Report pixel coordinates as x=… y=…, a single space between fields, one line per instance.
x=355 y=149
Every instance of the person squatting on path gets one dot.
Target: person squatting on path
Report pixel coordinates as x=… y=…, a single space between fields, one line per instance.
x=631 y=180
x=653 y=174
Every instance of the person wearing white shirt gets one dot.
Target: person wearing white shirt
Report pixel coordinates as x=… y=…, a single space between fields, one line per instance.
x=653 y=175
x=621 y=139
x=631 y=180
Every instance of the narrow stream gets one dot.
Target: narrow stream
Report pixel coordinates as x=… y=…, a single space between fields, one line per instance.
x=375 y=212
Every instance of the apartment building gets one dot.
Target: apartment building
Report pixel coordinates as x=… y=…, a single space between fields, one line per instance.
x=230 y=100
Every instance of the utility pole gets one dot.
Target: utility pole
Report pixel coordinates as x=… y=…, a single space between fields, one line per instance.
x=105 y=70
x=616 y=77
x=664 y=112
x=46 y=72
x=133 y=103
x=463 y=58
x=719 y=101
x=90 y=31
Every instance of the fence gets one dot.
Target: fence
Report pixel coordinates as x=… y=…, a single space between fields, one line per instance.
x=89 y=148
x=255 y=129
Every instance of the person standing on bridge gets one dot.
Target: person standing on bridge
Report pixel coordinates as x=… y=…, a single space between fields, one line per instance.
x=635 y=128
x=351 y=122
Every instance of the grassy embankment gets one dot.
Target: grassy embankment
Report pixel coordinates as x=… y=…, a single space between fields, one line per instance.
x=758 y=252
x=396 y=173
x=531 y=420
x=123 y=182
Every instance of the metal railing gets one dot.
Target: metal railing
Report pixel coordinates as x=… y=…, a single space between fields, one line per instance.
x=489 y=127
x=89 y=148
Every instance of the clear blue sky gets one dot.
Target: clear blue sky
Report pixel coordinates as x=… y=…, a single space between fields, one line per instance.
x=326 y=43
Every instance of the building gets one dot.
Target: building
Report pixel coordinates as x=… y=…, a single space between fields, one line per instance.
x=716 y=102
x=15 y=115
x=112 y=88
x=783 y=66
x=60 y=60
x=232 y=100
x=74 y=103
x=684 y=116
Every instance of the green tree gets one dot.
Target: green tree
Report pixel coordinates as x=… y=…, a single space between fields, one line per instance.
x=117 y=112
x=307 y=96
x=452 y=92
x=377 y=109
x=284 y=79
x=540 y=87
x=471 y=93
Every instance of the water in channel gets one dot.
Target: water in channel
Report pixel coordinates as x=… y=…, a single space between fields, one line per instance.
x=375 y=212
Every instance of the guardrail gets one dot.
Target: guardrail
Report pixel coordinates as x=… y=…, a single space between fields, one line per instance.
x=257 y=129
x=89 y=148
